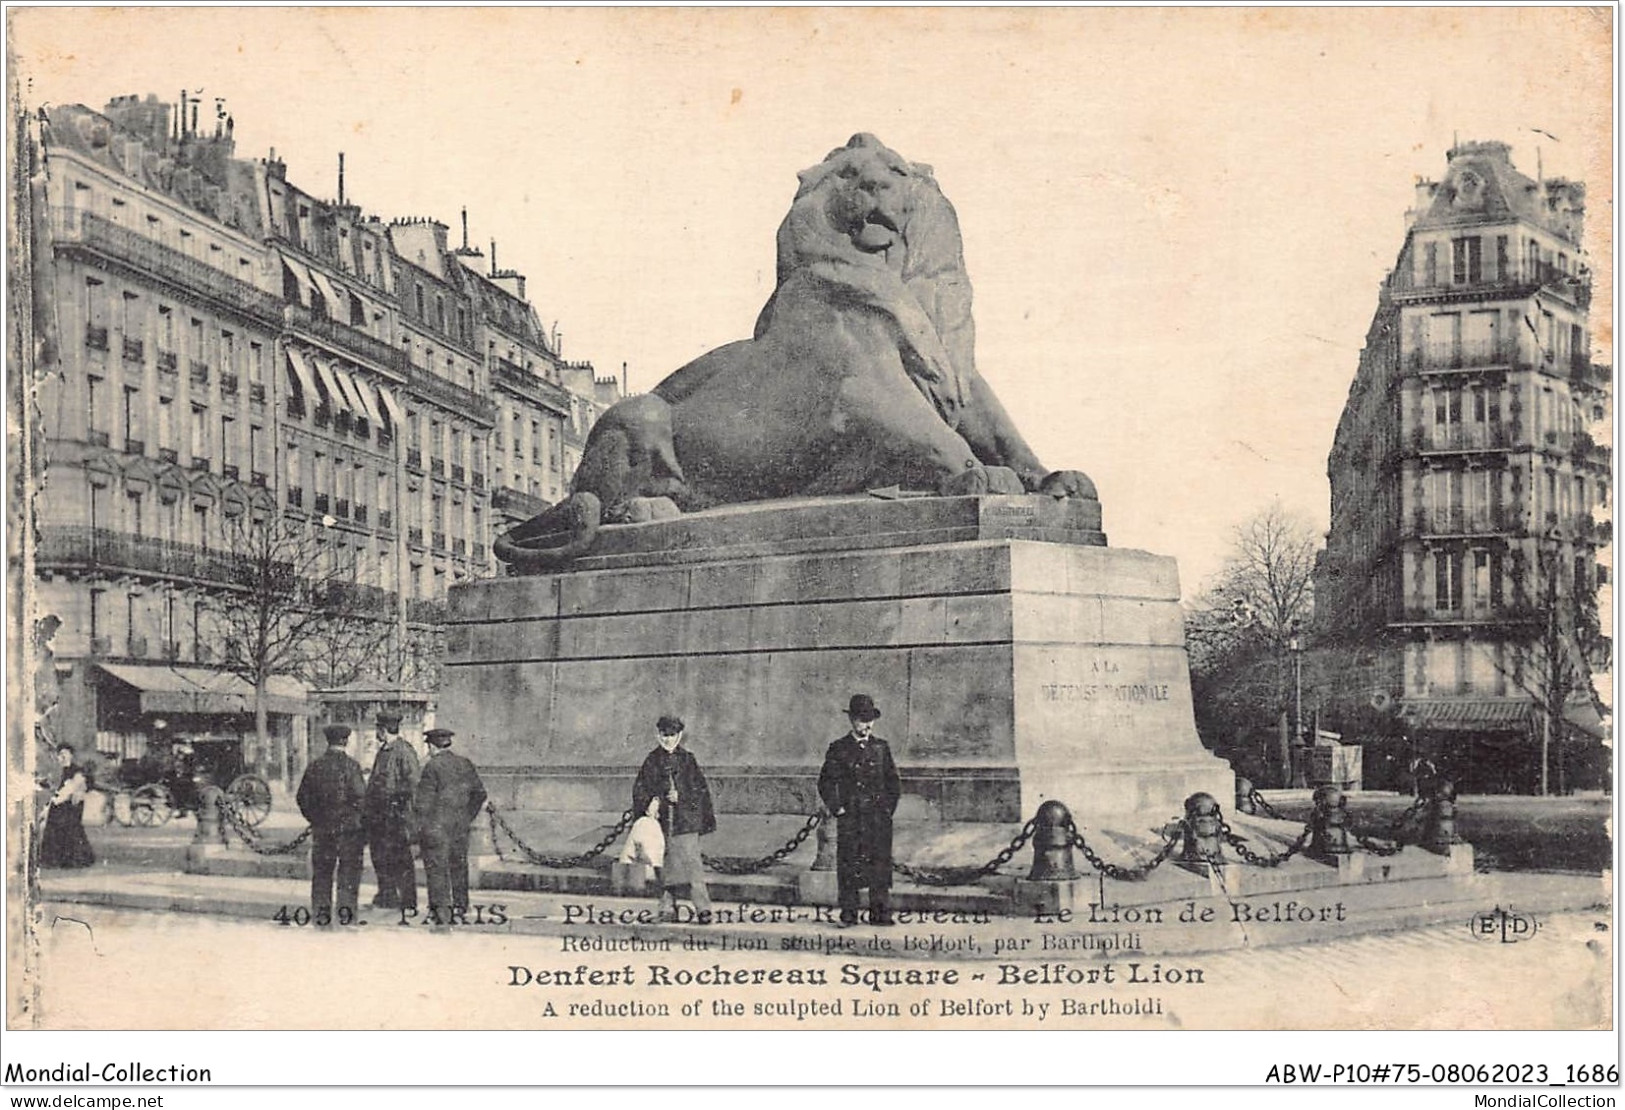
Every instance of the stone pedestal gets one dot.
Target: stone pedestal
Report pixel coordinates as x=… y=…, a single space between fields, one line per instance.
x=1014 y=658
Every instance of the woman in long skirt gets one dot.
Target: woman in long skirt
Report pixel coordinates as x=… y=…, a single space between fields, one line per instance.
x=64 y=843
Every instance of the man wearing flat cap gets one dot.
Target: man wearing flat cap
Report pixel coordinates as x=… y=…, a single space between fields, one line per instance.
x=388 y=815
x=330 y=796
x=860 y=787
x=449 y=796
x=671 y=775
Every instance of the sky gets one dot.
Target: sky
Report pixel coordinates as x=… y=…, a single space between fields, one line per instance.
x=1176 y=221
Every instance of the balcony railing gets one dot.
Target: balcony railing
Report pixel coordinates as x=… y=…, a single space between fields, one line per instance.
x=459 y=546
x=439 y=541
x=477 y=480
x=386 y=520
x=457 y=473
x=95 y=337
x=323 y=503
x=100 y=548
x=414 y=459
x=199 y=372
x=134 y=349
x=455 y=397
x=201 y=462
x=1467 y=356
x=341 y=508
x=229 y=470
x=99 y=438
x=79 y=230
x=296 y=496
x=295 y=408
x=437 y=467
x=259 y=478
x=360 y=514
x=134 y=446
x=323 y=416
x=353 y=340
x=532 y=387
x=138 y=647
x=414 y=536
x=168 y=362
x=1462 y=437
x=516 y=501
x=168 y=455
x=256 y=392
x=385 y=437
x=1459 y=522
x=1517 y=280
x=228 y=383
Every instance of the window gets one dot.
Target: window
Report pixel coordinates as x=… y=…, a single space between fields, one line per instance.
x=419 y=290
x=130 y=316
x=228 y=453
x=535 y=441
x=166 y=423
x=1447 y=568
x=440 y=312
x=95 y=303
x=1467 y=263
x=196 y=348
x=1430 y=264
x=132 y=413
x=166 y=328
x=200 y=432
x=228 y=352
x=1503 y=262
x=291 y=457
x=256 y=363
x=93 y=412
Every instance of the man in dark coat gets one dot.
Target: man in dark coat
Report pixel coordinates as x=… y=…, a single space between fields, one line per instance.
x=330 y=796
x=449 y=796
x=860 y=787
x=671 y=774
x=389 y=804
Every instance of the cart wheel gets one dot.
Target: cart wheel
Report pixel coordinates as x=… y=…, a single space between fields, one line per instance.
x=250 y=798
x=150 y=805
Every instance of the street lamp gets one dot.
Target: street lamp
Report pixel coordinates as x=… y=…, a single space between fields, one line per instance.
x=1294 y=644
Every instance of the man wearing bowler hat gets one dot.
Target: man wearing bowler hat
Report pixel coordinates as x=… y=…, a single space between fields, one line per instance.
x=388 y=814
x=859 y=785
x=448 y=798
x=330 y=796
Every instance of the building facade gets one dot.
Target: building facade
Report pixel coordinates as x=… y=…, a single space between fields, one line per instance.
x=235 y=353
x=1466 y=483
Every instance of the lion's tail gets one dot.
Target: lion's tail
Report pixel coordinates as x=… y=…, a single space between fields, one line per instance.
x=526 y=547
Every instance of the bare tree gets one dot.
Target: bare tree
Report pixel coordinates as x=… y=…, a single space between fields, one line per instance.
x=294 y=604
x=1239 y=630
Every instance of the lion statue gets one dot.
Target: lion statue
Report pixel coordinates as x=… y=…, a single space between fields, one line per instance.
x=861 y=373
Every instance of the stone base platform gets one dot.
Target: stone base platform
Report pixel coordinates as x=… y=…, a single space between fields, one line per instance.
x=1014 y=658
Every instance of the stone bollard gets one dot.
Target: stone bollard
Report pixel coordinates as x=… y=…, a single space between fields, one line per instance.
x=1328 y=826
x=1203 y=821
x=1439 y=824
x=209 y=830
x=824 y=839
x=1052 y=845
x=1244 y=796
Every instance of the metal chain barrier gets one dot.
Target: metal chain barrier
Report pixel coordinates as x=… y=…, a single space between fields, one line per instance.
x=1253 y=857
x=250 y=836
x=500 y=828
x=727 y=865
x=964 y=876
x=1263 y=804
x=1139 y=871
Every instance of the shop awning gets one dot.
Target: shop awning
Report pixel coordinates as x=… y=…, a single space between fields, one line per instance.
x=338 y=304
x=200 y=690
x=1466 y=714
x=307 y=379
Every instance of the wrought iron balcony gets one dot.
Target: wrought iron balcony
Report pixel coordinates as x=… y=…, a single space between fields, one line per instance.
x=437 y=467
x=138 y=647
x=516 y=501
x=134 y=349
x=323 y=416
x=199 y=371
x=353 y=340
x=457 y=473
x=295 y=408
x=414 y=536
x=439 y=542
x=385 y=436
x=201 y=462
x=133 y=446
x=459 y=546
x=386 y=520
x=477 y=480
x=99 y=439
x=414 y=459
x=169 y=455
x=168 y=362
x=228 y=383
x=95 y=337
x=229 y=470
x=259 y=478
x=256 y=392
x=77 y=231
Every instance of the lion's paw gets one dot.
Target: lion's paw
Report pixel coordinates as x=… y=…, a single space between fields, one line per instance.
x=970 y=482
x=1068 y=483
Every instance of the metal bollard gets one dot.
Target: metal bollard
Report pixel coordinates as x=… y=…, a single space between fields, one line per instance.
x=1203 y=822
x=209 y=801
x=1439 y=825
x=1244 y=795
x=1052 y=844
x=1328 y=825
x=825 y=841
